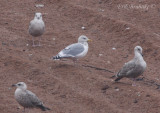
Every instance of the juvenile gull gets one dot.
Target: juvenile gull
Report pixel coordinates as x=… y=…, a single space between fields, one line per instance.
x=133 y=68
x=26 y=98
x=36 y=27
x=74 y=51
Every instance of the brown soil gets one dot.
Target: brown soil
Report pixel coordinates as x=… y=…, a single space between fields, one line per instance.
x=86 y=88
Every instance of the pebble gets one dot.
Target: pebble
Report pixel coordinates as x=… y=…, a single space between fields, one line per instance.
x=128 y=28
x=83 y=28
x=138 y=94
x=114 y=48
x=30 y=55
x=135 y=101
x=117 y=89
x=39 y=5
x=108 y=62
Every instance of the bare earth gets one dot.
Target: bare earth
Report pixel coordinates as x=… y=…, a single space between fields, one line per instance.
x=86 y=88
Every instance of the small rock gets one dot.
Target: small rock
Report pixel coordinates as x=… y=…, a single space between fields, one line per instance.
x=30 y=55
x=27 y=44
x=3 y=43
x=114 y=48
x=105 y=87
x=135 y=101
x=39 y=5
x=53 y=38
x=108 y=62
x=63 y=96
x=127 y=28
x=83 y=28
x=147 y=95
x=117 y=89
x=101 y=10
x=138 y=94
x=100 y=54
x=156 y=78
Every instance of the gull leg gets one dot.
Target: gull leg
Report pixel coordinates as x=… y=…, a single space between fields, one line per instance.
x=33 y=42
x=75 y=62
x=134 y=82
x=24 y=110
x=39 y=41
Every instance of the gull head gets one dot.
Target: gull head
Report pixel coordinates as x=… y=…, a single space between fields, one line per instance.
x=20 y=85
x=83 y=38
x=138 y=49
x=38 y=16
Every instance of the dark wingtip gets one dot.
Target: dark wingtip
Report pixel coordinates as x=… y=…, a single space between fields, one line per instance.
x=56 y=57
x=47 y=108
x=113 y=76
x=43 y=108
x=118 y=79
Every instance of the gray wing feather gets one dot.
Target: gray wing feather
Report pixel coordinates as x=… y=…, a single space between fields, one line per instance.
x=33 y=98
x=128 y=69
x=73 y=50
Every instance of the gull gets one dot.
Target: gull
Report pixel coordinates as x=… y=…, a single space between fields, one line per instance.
x=74 y=51
x=36 y=27
x=26 y=98
x=133 y=68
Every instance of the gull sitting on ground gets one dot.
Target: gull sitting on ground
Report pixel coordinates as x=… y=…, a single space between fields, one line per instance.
x=74 y=51
x=133 y=68
x=26 y=98
x=37 y=27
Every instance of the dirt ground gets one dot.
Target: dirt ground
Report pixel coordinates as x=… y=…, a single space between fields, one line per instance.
x=86 y=88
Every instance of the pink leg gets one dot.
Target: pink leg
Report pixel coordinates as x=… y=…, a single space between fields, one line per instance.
x=33 y=42
x=134 y=82
x=39 y=41
x=24 y=110
x=75 y=62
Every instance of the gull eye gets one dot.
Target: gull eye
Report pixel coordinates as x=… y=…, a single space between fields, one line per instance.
x=19 y=84
x=84 y=38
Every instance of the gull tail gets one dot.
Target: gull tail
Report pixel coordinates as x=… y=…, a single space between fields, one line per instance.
x=113 y=76
x=117 y=79
x=57 y=57
x=43 y=108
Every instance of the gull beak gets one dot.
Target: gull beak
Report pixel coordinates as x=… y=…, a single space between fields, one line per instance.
x=89 y=40
x=14 y=85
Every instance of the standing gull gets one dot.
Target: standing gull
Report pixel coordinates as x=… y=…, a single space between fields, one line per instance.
x=74 y=51
x=36 y=27
x=26 y=98
x=133 y=68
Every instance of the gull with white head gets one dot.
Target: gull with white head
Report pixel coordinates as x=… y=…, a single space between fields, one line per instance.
x=74 y=51
x=36 y=27
x=133 y=68
x=26 y=98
